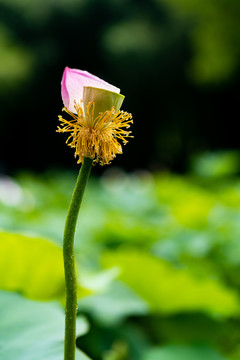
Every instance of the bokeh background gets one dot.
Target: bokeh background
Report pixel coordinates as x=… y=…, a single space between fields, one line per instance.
x=177 y=62
x=158 y=238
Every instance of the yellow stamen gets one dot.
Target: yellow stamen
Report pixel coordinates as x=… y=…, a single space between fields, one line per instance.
x=96 y=137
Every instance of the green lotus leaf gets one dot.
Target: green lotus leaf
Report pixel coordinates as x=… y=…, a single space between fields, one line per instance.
x=33 y=330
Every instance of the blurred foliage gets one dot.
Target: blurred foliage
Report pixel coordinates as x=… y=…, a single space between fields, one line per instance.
x=15 y=61
x=158 y=253
x=215 y=41
x=216 y=164
x=215 y=38
x=183 y=353
x=31 y=330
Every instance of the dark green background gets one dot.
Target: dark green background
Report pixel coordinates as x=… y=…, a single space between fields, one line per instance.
x=176 y=61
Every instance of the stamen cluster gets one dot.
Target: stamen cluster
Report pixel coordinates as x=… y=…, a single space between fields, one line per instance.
x=96 y=137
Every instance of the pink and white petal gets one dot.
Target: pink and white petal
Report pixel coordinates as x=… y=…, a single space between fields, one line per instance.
x=64 y=91
x=73 y=82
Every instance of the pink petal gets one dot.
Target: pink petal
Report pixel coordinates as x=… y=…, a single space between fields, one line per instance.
x=74 y=80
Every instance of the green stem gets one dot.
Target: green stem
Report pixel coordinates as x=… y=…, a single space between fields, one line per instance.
x=69 y=260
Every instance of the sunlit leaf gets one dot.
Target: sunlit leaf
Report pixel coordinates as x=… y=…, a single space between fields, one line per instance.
x=170 y=290
x=31 y=266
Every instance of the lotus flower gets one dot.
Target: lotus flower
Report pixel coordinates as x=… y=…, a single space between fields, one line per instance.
x=97 y=123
